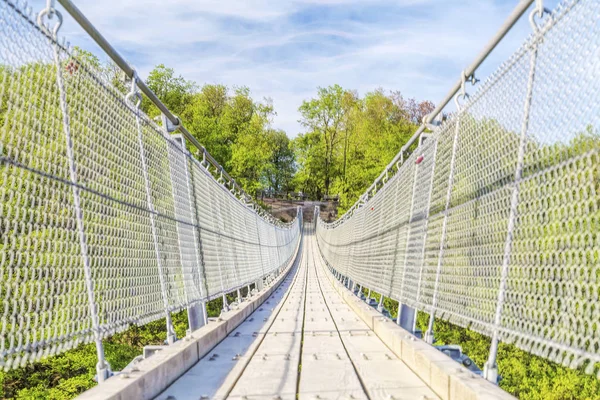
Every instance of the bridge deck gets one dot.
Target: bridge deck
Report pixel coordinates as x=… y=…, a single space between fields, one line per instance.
x=303 y=341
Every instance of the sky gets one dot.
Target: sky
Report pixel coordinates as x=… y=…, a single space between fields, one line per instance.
x=284 y=50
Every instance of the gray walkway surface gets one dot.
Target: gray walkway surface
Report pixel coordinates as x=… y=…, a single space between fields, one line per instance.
x=304 y=342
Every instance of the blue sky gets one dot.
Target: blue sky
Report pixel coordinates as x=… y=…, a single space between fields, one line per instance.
x=284 y=50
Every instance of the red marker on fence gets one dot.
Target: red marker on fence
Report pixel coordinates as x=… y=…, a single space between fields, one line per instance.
x=72 y=67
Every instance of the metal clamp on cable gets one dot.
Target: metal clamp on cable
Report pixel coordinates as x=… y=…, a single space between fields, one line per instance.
x=401 y=160
x=170 y=126
x=430 y=123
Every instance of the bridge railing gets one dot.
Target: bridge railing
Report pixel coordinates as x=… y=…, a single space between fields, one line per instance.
x=106 y=220
x=493 y=221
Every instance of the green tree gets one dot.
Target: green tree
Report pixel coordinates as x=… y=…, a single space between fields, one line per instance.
x=379 y=129
x=309 y=177
x=349 y=141
x=280 y=170
x=324 y=115
x=230 y=124
x=174 y=91
x=251 y=153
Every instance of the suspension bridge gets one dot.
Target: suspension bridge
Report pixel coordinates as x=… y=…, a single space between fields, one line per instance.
x=488 y=218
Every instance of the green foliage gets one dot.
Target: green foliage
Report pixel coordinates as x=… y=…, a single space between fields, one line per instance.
x=350 y=140
x=174 y=91
x=234 y=128
x=524 y=375
x=66 y=375
x=280 y=168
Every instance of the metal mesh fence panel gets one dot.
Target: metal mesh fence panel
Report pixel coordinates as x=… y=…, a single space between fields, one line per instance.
x=105 y=220
x=499 y=231
x=409 y=286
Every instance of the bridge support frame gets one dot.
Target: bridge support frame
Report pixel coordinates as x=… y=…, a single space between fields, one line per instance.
x=225 y=304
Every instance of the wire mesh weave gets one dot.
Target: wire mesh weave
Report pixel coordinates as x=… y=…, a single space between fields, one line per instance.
x=105 y=220
x=494 y=221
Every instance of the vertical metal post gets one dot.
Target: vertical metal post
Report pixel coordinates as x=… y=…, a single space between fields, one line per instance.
x=425 y=228
x=368 y=298
x=491 y=368
x=429 y=333
x=248 y=233
x=380 y=305
x=197 y=314
x=102 y=367
x=236 y=261
x=359 y=258
x=279 y=260
x=217 y=208
x=379 y=229
x=163 y=285
x=199 y=250
x=401 y=306
x=225 y=304
x=395 y=251
x=262 y=262
x=236 y=279
x=351 y=253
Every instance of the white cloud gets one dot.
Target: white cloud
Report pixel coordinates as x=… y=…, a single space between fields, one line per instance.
x=285 y=49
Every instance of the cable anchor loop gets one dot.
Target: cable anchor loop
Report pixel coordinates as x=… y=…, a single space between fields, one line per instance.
x=539 y=11
x=50 y=11
x=463 y=92
x=134 y=92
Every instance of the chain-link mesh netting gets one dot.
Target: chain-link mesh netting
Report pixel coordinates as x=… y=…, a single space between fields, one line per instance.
x=494 y=222
x=101 y=210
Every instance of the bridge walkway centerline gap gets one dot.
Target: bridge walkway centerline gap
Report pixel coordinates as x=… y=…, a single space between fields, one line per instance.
x=308 y=344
